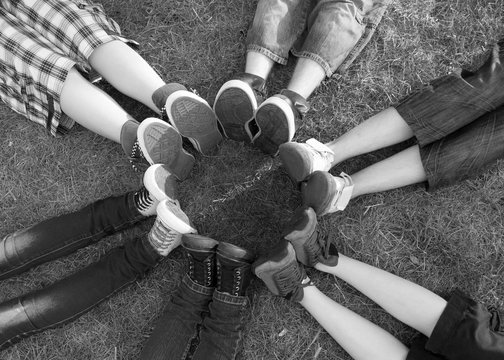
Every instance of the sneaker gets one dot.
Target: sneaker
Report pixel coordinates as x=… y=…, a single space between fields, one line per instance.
x=161 y=143
x=235 y=106
x=200 y=252
x=194 y=119
x=281 y=272
x=310 y=246
x=159 y=184
x=233 y=269
x=170 y=224
x=302 y=159
x=326 y=193
x=277 y=118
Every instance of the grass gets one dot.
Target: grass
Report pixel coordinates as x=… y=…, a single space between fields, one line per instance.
x=445 y=239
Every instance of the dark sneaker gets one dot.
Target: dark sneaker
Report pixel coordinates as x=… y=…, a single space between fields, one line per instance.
x=310 y=246
x=281 y=272
x=160 y=143
x=200 y=251
x=194 y=119
x=277 y=119
x=302 y=159
x=235 y=105
x=326 y=193
x=233 y=269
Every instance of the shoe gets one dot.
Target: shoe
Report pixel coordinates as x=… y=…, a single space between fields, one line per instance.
x=326 y=193
x=277 y=119
x=302 y=159
x=491 y=71
x=161 y=143
x=235 y=106
x=194 y=119
x=159 y=184
x=310 y=246
x=200 y=252
x=233 y=269
x=281 y=272
x=171 y=222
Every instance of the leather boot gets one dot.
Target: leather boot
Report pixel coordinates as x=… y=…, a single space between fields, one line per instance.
x=233 y=269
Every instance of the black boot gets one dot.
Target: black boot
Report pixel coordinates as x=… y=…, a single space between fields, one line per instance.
x=491 y=71
x=233 y=269
x=200 y=252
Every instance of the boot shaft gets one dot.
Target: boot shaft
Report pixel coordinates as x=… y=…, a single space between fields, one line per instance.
x=233 y=267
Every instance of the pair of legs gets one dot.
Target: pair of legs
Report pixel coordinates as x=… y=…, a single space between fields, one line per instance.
x=72 y=296
x=457 y=329
x=326 y=36
x=456 y=119
x=206 y=315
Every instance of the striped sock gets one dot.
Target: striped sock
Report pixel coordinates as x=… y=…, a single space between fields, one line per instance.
x=145 y=203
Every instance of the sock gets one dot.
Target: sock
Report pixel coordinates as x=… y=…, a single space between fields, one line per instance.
x=163 y=238
x=145 y=203
x=129 y=135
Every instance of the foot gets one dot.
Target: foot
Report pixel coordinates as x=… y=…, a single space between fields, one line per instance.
x=310 y=246
x=281 y=272
x=201 y=252
x=326 y=193
x=302 y=159
x=194 y=119
x=277 y=118
x=235 y=106
x=233 y=269
x=159 y=184
x=160 y=143
x=170 y=224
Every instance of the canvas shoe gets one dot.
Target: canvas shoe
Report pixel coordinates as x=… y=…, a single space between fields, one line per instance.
x=158 y=184
x=235 y=105
x=310 y=245
x=200 y=253
x=281 y=272
x=277 y=119
x=171 y=222
x=160 y=143
x=302 y=159
x=194 y=119
x=326 y=193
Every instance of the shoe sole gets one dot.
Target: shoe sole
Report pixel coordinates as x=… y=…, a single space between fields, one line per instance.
x=303 y=227
x=234 y=252
x=162 y=144
x=194 y=119
x=294 y=160
x=173 y=217
x=235 y=106
x=276 y=123
x=159 y=182
x=318 y=191
x=195 y=242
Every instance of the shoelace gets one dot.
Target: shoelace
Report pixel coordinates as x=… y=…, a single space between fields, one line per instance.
x=319 y=246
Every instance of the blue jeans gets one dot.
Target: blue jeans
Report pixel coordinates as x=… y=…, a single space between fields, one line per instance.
x=72 y=296
x=329 y=32
x=459 y=127
x=198 y=320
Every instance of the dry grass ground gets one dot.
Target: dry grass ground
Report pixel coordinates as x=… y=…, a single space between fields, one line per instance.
x=442 y=240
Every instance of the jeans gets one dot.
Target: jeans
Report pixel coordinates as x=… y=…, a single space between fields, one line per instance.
x=459 y=127
x=330 y=32
x=70 y=297
x=200 y=320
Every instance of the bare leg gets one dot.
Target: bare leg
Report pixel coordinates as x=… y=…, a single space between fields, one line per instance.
x=402 y=169
x=91 y=107
x=258 y=64
x=306 y=78
x=406 y=301
x=381 y=130
x=127 y=71
x=362 y=339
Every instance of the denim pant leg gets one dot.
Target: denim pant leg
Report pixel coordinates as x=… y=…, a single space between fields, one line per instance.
x=66 y=233
x=276 y=26
x=71 y=297
x=178 y=326
x=466 y=152
x=222 y=331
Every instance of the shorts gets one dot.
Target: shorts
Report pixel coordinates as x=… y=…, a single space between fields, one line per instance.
x=466 y=330
x=40 y=41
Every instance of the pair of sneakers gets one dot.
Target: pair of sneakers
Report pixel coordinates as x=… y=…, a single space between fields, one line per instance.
x=282 y=270
x=220 y=265
x=309 y=163
x=266 y=125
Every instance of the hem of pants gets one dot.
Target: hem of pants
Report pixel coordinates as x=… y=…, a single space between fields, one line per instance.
x=197 y=288
x=268 y=53
x=318 y=59
x=230 y=299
